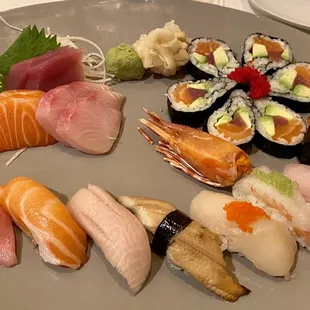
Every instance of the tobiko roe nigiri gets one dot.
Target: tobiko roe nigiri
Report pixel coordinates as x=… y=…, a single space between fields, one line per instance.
x=44 y=218
x=248 y=230
x=18 y=125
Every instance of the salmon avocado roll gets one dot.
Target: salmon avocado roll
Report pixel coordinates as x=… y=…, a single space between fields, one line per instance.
x=291 y=86
x=190 y=103
x=266 y=53
x=234 y=122
x=210 y=58
x=279 y=130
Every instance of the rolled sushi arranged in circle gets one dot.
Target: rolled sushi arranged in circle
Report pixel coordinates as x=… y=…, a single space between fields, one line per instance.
x=235 y=121
x=210 y=58
x=190 y=103
x=304 y=152
x=279 y=130
x=266 y=53
x=291 y=86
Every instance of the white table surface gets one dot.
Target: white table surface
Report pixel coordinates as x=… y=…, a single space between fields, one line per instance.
x=242 y=5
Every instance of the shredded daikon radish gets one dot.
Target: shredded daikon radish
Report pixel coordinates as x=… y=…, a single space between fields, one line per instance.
x=15 y=156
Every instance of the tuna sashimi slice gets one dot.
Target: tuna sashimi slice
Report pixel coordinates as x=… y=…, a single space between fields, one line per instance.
x=117 y=232
x=82 y=115
x=58 y=67
x=7 y=241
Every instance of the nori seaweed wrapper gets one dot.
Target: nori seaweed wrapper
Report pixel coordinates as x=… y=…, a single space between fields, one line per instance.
x=170 y=226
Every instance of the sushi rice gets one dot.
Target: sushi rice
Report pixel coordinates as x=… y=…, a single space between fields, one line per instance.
x=264 y=64
x=238 y=99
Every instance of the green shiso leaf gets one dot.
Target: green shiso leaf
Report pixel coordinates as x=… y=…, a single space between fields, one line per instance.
x=31 y=43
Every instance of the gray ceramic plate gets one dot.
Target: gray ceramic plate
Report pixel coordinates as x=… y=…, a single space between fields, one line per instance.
x=134 y=168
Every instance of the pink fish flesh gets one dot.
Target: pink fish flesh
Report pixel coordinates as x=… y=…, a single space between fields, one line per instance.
x=300 y=174
x=82 y=115
x=7 y=241
x=58 y=67
x=117 y=232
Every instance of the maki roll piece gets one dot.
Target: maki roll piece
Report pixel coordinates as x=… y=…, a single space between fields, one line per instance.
x=304 y=151
x=266 y=53
x=190 y=103
x=210 y=58
x=279 y=130
x=234 y=122
x=291 y=86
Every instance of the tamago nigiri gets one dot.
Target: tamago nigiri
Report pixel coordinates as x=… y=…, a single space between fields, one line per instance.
x=248 y=230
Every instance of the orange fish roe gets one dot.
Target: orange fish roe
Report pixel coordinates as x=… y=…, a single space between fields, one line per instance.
x=244 y=214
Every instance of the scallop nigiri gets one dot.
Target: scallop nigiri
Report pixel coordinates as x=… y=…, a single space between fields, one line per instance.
x=248 y=230
x=281 y=196
x=43 y=217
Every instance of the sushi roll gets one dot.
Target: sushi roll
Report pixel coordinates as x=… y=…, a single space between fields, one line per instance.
x=235 y=121
x=279 y=130
x=210 y=58
x=190 y=103
x=266 y=53
x=304 y=151
x=291 y=86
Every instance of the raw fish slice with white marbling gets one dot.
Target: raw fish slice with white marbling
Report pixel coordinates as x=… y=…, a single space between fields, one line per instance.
x=7 y=241
x=247 y=230
x=280 y=196
x=300 y=174
x=117 y=232
x=82 y=115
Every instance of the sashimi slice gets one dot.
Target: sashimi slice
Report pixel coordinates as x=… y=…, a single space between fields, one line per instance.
x=18 y=126
x=58 y=67
x=7 y=240
x=117 y=232
x=42 y=216
x=82 y=115
x=300 y=174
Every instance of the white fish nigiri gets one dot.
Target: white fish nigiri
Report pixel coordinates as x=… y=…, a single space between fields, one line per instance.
x=117 y=232
x=300 y=174
x=279 y=195
x=247 y=230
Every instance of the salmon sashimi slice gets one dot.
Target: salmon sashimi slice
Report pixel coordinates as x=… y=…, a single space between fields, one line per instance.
x=303 y=76
x=117 y=232
x=42 y=216
x=7 y=241
x=207 y=48
x=18 y=125
x=288 y=131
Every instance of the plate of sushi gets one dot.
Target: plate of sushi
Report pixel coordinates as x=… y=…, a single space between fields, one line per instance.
x=144 y=155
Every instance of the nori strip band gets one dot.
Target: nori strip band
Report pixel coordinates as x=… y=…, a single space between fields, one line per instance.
x=170 y=226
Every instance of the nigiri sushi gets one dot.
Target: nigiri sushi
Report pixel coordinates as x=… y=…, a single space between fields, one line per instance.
x=248 y=230
x=117 y=232
x=18 y=126
x=186 y=244
x=300 y=174
x=7 y=241
x=44 y=218
x=82 y=115
x=280 y=195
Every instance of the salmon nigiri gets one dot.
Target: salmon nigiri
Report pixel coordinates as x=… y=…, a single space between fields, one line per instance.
x=18 y=125
x=42 y=216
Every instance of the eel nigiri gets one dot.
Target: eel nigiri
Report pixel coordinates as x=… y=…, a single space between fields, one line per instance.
x=281 y=196
x=248 y=230
x=300 y=174
x=186 y=244
x=118 y=233
x=43 y=217
x=18 y=126
x=7 y=241
x=82 y=115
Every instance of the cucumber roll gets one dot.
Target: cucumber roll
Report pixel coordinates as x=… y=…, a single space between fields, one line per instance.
x=279 y=130
x=266 y=53
x=291 y=86
x=235 y=121
x=210 y=58
x=190 y=103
